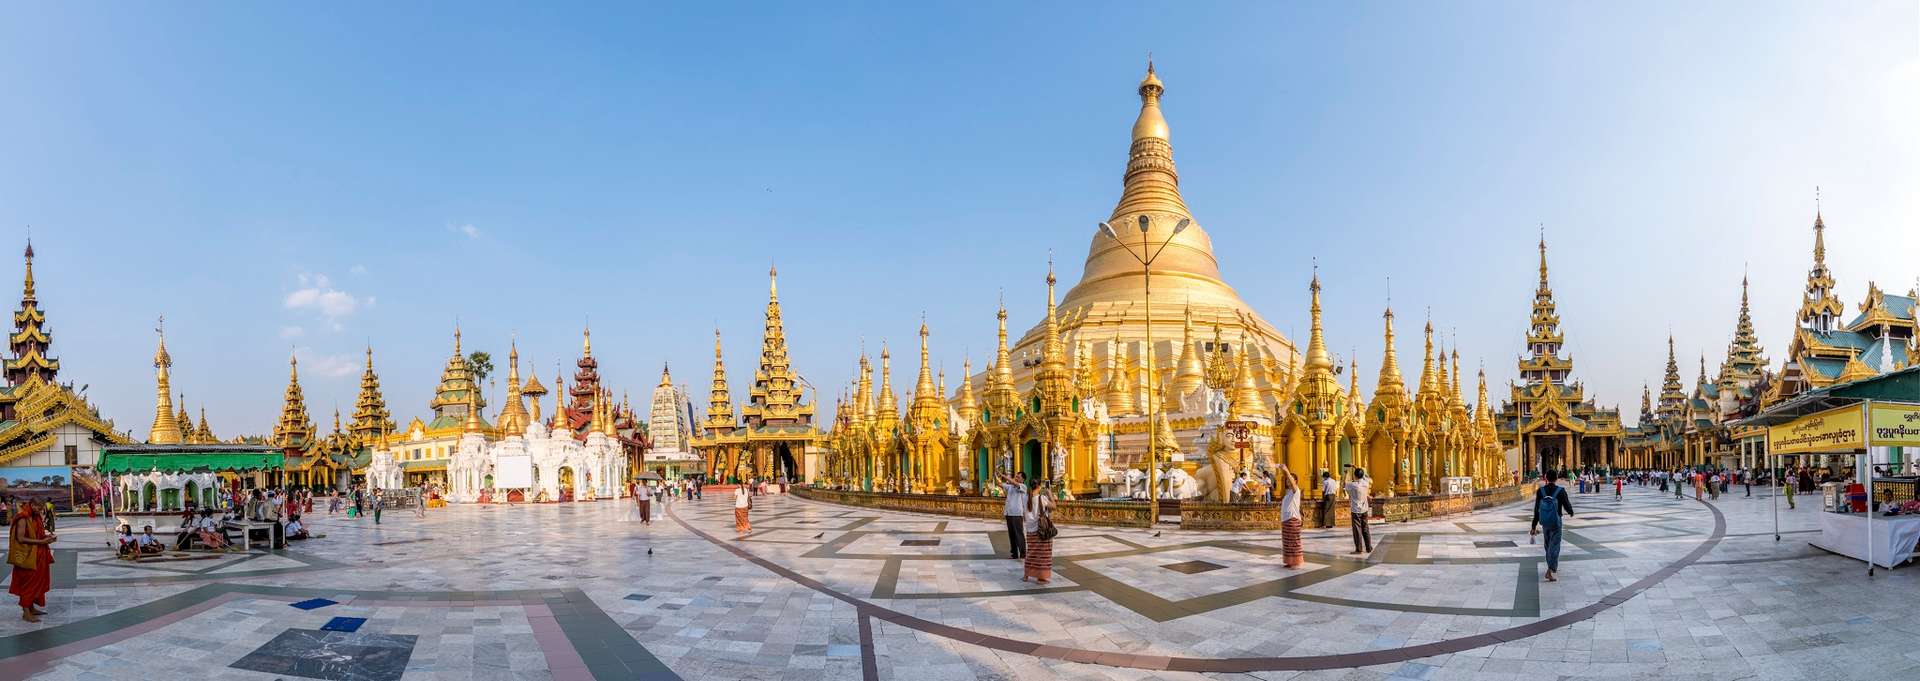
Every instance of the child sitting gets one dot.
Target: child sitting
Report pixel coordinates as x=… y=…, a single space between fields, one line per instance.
x=295 y=528
x=129 y=546
x=149 y=545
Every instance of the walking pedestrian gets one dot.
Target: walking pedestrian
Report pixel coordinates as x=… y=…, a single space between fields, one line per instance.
x=1793 y=480
x=643 y=497
x=1549 y=503
x=742 y=504
x=420 y=502
x=1037 y=521
x=1329 y=489
x=1359 y=492
x=1015 y=512
x=379 y=504
x=1619 y=489
x=1291 y=552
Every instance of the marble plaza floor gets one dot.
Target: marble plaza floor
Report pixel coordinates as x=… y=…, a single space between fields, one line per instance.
x=1650 y=587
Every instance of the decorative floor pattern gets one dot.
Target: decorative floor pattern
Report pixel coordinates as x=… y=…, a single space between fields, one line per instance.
x=1652 y=587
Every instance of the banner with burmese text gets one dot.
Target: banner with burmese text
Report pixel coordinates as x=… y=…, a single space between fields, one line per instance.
x=1829 y=432
x=1895 y=425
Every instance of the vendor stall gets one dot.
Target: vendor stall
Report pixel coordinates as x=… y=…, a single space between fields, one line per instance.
x=1873 y=421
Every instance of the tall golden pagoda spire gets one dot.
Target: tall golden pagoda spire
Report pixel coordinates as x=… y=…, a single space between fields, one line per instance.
x=1243 y=400
x=967 y=408
x=1119 y=396
x=1190 y=375
x=533 y=391
x=776 y=395
x=184 y=419
x=863 y=408
x=1820 y=309
x=204 y=433
x=456 y=381
x=513 y=416
x=295 y=429
x=1426 y=364
x=889 y=411
x=1001 y=399
x=371 y=419
x=720 y=416
x=1145 y=216
x=1054 y=381
x=1442 y=384
x=927 y=406
x=29 y=341
x=472 y=423
x=1318 y=389
x=1672 y=399
x=1390 y=380
x=165 y=430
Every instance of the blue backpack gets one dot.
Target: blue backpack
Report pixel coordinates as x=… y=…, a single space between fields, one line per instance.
x=1547 y=506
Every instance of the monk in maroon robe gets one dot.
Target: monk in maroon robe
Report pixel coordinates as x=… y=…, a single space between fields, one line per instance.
x=32 y=561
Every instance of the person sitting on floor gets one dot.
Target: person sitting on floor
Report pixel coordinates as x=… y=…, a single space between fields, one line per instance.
x=129 y=546
x=210 y=533
x=149 y=544
x=295 y=528
x=183 y=536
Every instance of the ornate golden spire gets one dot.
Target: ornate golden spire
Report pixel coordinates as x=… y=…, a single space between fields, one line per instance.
x=472 y=424
x=1053 y=380
x=184 y=419
x=968 y=409
x=1390 y=380
x=1146 y=215
x=166 y=429
x=1243 y=401
x=1317 y=357
x=513 y=416
x=864 y=409
x=889 y=411
x=456 y=381
x=295 y=429
x=1191 y=375
x=29 y=341
x=370 y=416
x=586 y=341
x=534 y=391
x=1001 y=398
x=927 y=404
x=776 y=395
x=204 y=433
x=720 y=417
x=1426 y=364
x=1119 y=391
x=1820 y=309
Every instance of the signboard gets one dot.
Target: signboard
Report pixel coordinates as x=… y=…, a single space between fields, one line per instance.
x=513 y=471
x=1895 y=425
x=1831 y=431
x=1240 y=433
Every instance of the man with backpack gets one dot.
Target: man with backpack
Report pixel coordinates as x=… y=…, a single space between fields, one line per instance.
x=1549 y=505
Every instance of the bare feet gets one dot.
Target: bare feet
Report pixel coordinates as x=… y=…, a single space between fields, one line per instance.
x=28 y=616
x=1552 y=578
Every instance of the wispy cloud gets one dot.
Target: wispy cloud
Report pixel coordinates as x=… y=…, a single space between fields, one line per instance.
x=292 y=332
x=317 y=294
x=467 y=229
x=357 y=270
x=326 y=366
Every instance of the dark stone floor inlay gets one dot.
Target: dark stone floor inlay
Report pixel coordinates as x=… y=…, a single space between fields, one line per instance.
x=346 y=624
x=1194 y=567
x=313 y=604
x=332 y=655
x=920 y=542
x=638 y=597
x=1494 y=544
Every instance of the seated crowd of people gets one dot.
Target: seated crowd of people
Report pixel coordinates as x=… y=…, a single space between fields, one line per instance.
x=208 y=529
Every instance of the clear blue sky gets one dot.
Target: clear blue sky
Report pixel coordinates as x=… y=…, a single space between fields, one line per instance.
x=270 y=178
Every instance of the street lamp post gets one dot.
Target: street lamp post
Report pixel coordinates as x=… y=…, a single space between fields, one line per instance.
x=1146 y=275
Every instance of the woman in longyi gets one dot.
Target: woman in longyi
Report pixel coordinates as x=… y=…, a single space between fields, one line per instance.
x=32 y=561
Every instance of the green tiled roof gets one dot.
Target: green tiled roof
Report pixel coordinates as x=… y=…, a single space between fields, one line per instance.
x=1826 y=368
x=1845 y=339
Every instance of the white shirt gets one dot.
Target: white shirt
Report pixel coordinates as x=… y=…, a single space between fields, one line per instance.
x=1290 y=506
x=643 y=492
x=1357 y=492
x=1016 y=499
x=1329 y=487
x=740 y=497
x=1239 y=485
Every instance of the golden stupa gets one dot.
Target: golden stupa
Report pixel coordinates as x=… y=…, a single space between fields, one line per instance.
x=1110 y=300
